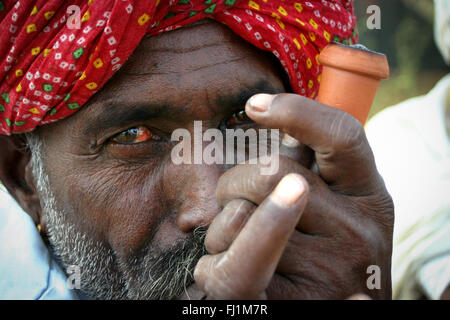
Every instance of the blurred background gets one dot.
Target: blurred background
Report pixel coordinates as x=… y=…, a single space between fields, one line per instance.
x=406 y=37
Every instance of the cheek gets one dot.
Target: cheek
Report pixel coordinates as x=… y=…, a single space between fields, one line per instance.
x=120 y=206
x=135 y=217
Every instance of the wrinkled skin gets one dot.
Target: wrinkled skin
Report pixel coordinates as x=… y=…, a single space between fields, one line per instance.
x=318 y=244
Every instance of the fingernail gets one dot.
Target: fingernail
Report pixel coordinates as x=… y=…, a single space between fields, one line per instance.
x=289 y=141
x=260 y=102
x=289 y=190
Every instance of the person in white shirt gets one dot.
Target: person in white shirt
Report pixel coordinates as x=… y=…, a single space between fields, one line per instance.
x=411 y=144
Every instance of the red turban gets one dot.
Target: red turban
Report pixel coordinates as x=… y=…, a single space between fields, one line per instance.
x=49 y=69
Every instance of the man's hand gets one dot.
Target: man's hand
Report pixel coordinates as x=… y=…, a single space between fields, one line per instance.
x=310 y=236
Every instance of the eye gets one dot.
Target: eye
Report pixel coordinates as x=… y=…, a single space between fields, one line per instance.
x=238 y=118
x=134 y=135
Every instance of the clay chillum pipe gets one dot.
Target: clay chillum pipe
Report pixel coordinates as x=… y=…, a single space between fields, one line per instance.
x=350 y=79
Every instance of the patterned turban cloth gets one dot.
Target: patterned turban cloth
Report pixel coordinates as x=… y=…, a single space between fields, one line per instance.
x=55 y=55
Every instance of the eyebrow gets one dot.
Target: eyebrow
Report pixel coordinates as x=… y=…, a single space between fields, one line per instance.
x=117 y=113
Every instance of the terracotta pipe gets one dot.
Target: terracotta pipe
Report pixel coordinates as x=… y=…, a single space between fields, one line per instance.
x=350 y=78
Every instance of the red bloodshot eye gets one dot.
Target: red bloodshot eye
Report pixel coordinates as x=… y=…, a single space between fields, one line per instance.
x=143 y=134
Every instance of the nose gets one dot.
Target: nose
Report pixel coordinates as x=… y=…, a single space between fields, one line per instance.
x=197 y=205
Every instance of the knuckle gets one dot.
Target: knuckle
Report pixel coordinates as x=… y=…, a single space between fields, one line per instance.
x=238 y=215
x=369 y=241
x=372 y=247
x=347 y=132
x=265 y=183
x=229 y=185
x=364 y=239
x=219 y=283
x=380 y=209
x=367 y=231
x=245 y=181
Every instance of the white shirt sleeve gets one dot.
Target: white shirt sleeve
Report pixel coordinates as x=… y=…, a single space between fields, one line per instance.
x=434 y=276
x=27 y=270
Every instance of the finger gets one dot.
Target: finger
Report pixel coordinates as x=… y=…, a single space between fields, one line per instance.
x=341 y=260
x=342 y=152
x=220 y=285
x=249 y=264
x=227 y=225
x=244 y=181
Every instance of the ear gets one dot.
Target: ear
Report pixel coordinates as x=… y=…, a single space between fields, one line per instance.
x=16 y=174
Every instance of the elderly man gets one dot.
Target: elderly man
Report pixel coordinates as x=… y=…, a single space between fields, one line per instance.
x=101 y=184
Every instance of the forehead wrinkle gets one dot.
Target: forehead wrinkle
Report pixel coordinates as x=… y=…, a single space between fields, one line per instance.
x=181 y=72
x=191 y=44
x=160 y=63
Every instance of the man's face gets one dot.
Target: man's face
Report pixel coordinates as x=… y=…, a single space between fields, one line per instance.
x=117 y=205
